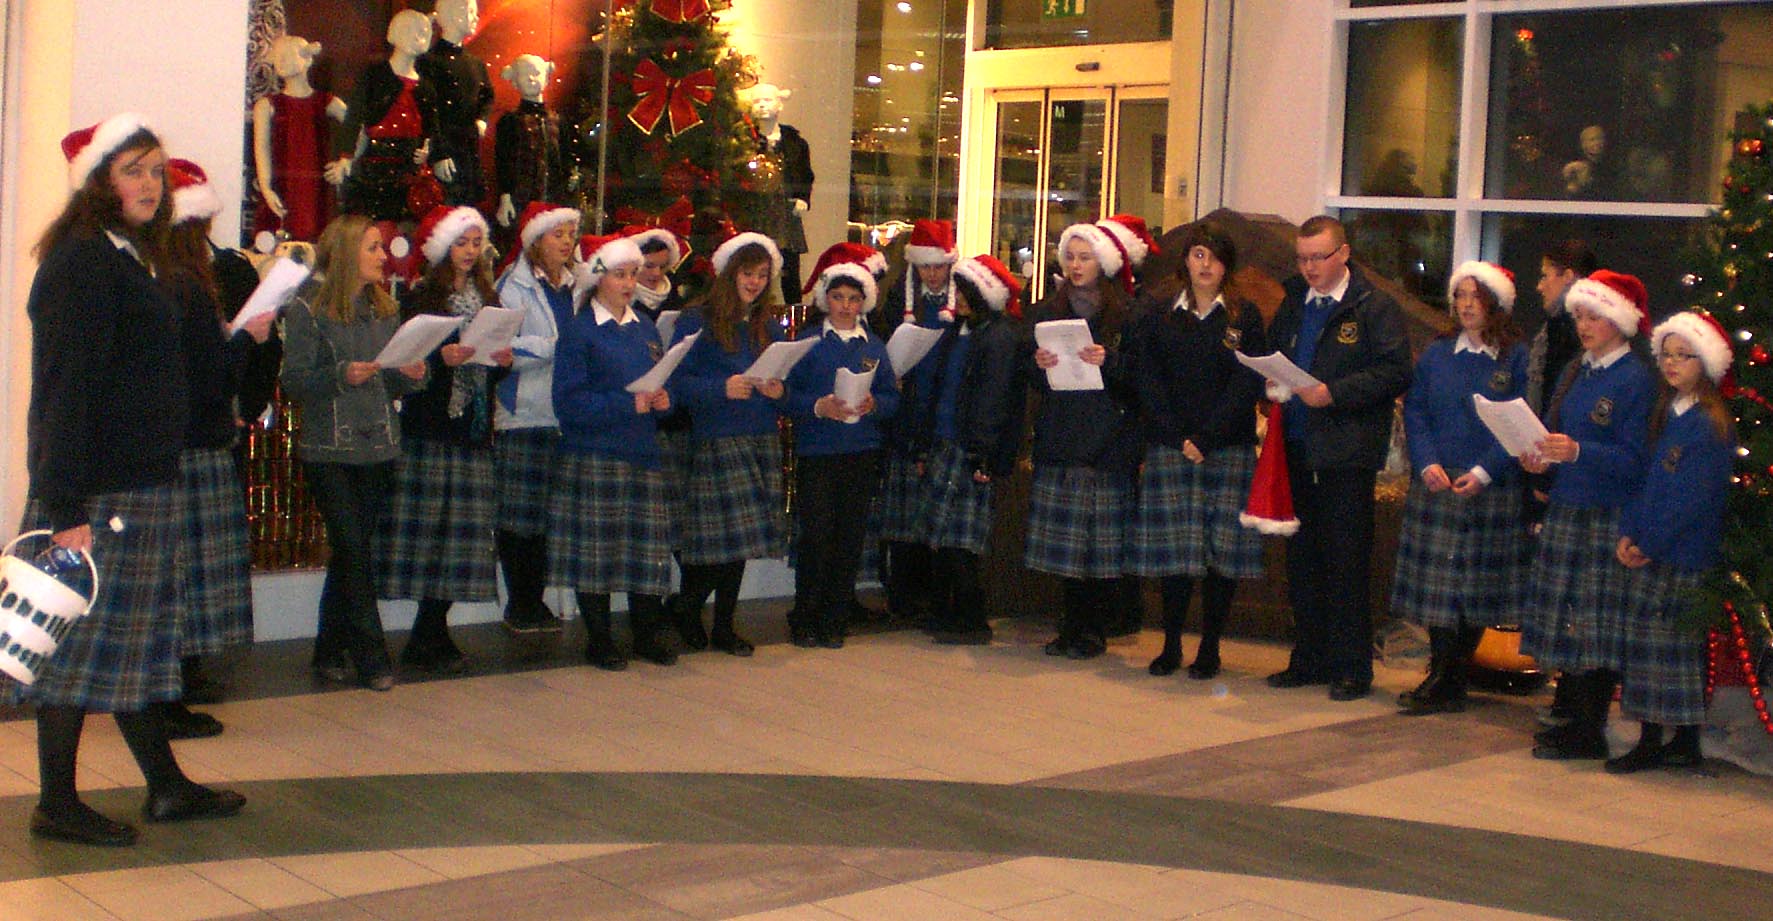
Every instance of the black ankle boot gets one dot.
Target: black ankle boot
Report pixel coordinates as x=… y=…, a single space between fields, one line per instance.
x=652 y=639
x=1643 y=756
x=1439 y=692
x=600 y=646
x=1684 y=750
x=1176 y=591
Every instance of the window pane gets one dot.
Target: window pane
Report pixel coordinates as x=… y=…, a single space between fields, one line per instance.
x=1412 y=248
x=1646 y=247
x=1015 y=184
x=1402 y=134
x=1050 y=23
x=905 y=133
x=1622 y=105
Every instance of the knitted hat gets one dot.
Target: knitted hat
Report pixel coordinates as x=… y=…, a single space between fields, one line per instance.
x=866 y=256
x=837 y=264
x=88 y=147
x=1620 y=298
x=931 y=243
x=1270 y=506
x=443 y=226
x=598 y=255
x=1704 y=334
x=724 y=252
x=193 y=198
x=677 y=246
x=1498 y=280
x=540 y=218
x=987 y=282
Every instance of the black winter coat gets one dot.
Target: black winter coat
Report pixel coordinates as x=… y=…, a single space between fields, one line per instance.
x=989 y=402
x=1086 y=428
x=1191 y=387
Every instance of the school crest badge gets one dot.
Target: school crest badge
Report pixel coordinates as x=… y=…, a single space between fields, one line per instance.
x=1501 y=381
x=1348 y=333
x=1672 y=459
x=1602 y=414
x=869 y=364
x=656 y=350
x=1234 y=337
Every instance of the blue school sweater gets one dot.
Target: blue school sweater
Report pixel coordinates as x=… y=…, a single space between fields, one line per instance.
x=1678 y=518
x=1607 y=411
x=1441 y=422
x=592 y=364
x=814 y=377
x=699 y=384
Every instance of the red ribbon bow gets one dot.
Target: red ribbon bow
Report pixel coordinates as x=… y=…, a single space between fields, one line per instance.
x=660 y=92
x=680 y=10
x=675 y=218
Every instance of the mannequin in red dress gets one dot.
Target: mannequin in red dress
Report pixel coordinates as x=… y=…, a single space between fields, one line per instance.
x=290 y=139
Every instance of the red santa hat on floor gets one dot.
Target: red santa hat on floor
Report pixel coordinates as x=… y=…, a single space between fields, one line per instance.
x=1704 y=334
x=443 y=226
x=88 y=147
x=986 y=279
x=931 y=243
x=193 y=198
x=1621 y=298
x=677 y=246
x=1494 y=278
x=841 y=262
x=1270 y=506
x=859 y=253
x=599 y=254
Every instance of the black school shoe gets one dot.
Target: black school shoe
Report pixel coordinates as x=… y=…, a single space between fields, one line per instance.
x=191 y=801
x=81 y=825
x=184 y=723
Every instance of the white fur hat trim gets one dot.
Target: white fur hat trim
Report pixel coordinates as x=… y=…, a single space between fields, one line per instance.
x=1490 y=277
x=541 y=224
x=989 y=286
x=1714 y=352
x=849 y=271
x=1107 y=254
x=195 y=203
x=664 y=236
x=1135 y=247
x=459 y=221
x=1604 y=300
x=724 y=253
x=106 y=138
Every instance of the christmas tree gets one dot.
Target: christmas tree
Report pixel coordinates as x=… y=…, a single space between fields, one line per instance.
x=1731 y=277
x=678 y=142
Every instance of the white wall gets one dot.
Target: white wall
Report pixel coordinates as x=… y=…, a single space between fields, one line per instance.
x=1279 y=99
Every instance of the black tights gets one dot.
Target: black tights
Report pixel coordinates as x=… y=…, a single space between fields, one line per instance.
x=722 y=580
x=1216 y=593
x=58 y=747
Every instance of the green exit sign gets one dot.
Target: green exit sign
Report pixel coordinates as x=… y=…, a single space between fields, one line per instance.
x=1062 y=9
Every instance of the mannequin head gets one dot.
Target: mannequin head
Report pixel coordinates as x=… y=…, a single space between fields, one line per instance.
x=767 y=100
x=457 y=20
x=410 y=33
x=292 y=55
x=1594 y=142
x=529 y=74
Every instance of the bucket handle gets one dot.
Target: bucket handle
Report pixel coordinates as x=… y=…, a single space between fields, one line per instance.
x=84 y=555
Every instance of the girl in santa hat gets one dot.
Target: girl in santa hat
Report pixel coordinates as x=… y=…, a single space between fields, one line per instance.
x=1086 y=447
x=1462 y=548
x=1197 y=411
x=1574 y=608
x=611 y=530
x=106 y=427
x=437 y=543
x=731 y=510
x=526 y=434
x=1671 y=538
x=837 y=448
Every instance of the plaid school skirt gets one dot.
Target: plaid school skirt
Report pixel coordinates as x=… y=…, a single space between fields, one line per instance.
x=956 y=510
x=674 y=458
x=215 y=556
x=1185 y=517
x=1575 y=600
x=1077 y=522
x=1664 y=664
x=610 y=527
x=733 y=503
x=523 y=462
x=1459 y=560
x=124 y=654
x=901 y=506
x=437 y=541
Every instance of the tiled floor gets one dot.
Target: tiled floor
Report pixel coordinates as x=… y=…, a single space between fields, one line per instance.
x=891 y=779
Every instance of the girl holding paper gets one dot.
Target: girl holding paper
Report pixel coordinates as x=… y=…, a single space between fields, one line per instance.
x=1462 y=548
x=1086 y=447
x=437 y=542
x=1574 y=610
x=350 y=435
x=837 y=451
x=730 y=510
x=611 y=528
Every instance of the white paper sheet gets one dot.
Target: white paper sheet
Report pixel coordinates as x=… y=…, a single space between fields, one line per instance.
x=853 y=388
x=667 y=324
x=272 y=293
x=776 y=361
x=1066 y=338
x=1281 y=370
x=1513 y=423
x=416 y=339
x=661 y=372
x=908 y=346
x=489 y=331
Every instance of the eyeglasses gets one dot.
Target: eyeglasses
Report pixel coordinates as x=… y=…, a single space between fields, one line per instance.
x=1676 y=356
x=1317 y=259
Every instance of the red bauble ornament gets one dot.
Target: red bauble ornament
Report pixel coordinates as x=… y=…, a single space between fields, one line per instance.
x=1751 y=147
x=1758 y=356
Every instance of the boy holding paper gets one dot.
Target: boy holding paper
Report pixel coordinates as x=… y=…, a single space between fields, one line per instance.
x=837 y=445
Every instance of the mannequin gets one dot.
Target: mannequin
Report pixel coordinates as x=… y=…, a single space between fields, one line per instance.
x=392 y=118
x=797 y=173
x=526 y=143
x=464 y=98
x=290 y=140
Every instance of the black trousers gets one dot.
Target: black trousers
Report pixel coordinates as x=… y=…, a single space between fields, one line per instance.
x=1329 y=563
x=351 y=499
x=832 y=493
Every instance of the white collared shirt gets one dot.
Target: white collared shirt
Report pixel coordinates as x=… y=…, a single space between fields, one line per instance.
x=601 y=314
x=1334 y=294
x=123 y=243
x=1184 y=302
x=1607 y=360
x=859 y=332
x=1680 y=405
x=1465 y=343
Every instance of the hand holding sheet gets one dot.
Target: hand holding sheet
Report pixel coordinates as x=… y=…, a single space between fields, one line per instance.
x=489 y=331
x=1280 y=370
x=661 y=372
x=1066 y=338
x=416 y=339
x=853 y=389
x=781 y=357
x=1513 y=423
x=278 y=286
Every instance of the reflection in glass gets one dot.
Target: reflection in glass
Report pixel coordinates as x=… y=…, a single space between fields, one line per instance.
x=1076 y=135
x=1015 y=183
x=1622 y=105
x=1649 y=248
x=1052 y=23
x=1412 y=248
x=1139 y=152
x=1402 y=135
x=905 y=131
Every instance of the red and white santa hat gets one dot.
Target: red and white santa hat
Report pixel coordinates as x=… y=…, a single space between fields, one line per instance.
x=992 y=282
x=1121 y=244
x=1135 y=239
x=1704 y=334
x=1270 y=506
x=443 y=226
x=843 y=262
x=860 y=253
x=599 y=254
x=677 y=246
x=88 y=147
x=193 y=198
x=931 y=243
x=1494 y=278
x=1621 y=298
x=724 y=252
x=540 y=218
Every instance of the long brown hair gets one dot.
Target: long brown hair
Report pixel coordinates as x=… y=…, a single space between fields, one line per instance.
x=95 y=208
x=1500 y=330
x=1711 y=402
x=433 y=292
x=336 y=254
x=724 y=309
x=188 y=257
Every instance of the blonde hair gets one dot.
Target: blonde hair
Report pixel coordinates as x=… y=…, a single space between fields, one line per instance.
x=337 y=254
